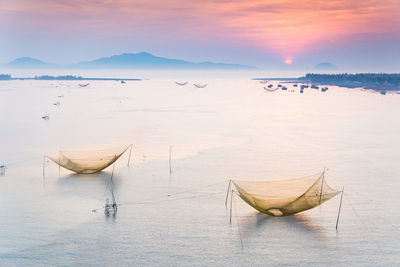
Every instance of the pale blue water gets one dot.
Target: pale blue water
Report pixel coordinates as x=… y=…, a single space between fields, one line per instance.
x=231 y=129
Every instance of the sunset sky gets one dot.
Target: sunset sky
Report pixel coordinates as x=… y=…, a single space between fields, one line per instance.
x=265 y=33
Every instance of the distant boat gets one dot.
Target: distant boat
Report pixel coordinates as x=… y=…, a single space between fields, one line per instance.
x=270 y=90
x=279 y=85
x=301 y=91
x=323 y=89
x=122 y=81
x=3 y=169
x=383 y=92
x=181 y=83
x=263 y=82
x=270 y=86
x=314 y=87
x=284 y=88
x=83 y=85
x=294 y=85
x=200 y=85
x=60 y=96
x=56 y=103
x=46 y=117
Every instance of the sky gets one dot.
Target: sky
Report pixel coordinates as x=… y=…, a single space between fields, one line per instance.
x=352 y=34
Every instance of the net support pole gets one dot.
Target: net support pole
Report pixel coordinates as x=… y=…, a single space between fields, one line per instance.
x=130 y=153
x=230 y=210
x=44 y=168
x=170 y=165
x=340 y=206
x=112 y=183
x=227 y=193
x=59 y=159
x=322 y=187
x=44 y=162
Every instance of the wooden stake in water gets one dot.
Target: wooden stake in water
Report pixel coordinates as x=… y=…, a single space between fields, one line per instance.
x=230 y=211
x=44 y=162
x=227 y=192
x=44 y=166
x=170 y=166
x=59 y=161
x=130 y=152
x=340 y=206
x=112 y=183
x=322 y=186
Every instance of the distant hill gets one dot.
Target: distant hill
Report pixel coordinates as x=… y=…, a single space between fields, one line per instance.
x=142 y=60
x=147 y=60
x=28 y=62
x=325 y=66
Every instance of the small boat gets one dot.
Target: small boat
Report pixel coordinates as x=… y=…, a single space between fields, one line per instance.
x=284 y=88
x=200 y=85
x=269 y=89
x=60 y=96
x=279 y=85
x=301 y=91
x=270 y=86
x=46 y=117
x=122 y=81
x=383 y=92
x=314 y=87
x=83 y=84
x=294 y=85
x=2 y=169
x=181 y=83
x=57 y=103
x=323 y=89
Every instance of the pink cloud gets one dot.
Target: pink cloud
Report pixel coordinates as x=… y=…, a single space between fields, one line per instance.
x=285 y=27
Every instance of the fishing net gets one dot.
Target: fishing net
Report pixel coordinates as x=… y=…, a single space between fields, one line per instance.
x=87 y=162
x=286 y=197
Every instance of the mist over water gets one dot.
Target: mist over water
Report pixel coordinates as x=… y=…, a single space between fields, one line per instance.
x=231 y=129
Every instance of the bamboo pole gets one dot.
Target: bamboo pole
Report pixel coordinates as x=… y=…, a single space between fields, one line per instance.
x=170 y=166
x=44 y=169
x=230 y=211
x=44 y=162
x=340 y=206
x=130 y=152
x=112 y=183
x=227 y=193
x=322 y=186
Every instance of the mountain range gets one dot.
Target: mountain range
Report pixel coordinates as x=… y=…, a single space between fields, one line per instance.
x=124 y=61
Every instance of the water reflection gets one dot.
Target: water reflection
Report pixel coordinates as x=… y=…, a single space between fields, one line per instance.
x=257 y=223
x=95 y=185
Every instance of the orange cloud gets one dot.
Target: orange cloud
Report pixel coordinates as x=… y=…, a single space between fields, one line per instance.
x=292 y=27
x=286 y=27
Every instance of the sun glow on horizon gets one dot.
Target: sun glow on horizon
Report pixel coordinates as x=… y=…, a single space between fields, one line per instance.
x=288 y=61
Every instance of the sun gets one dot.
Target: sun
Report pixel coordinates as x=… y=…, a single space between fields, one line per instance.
x=288 y=61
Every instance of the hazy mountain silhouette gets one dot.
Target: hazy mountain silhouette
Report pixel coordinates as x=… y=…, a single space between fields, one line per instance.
x=28 y=62
x=147 y=60
x=125 y=61
x=325 y=66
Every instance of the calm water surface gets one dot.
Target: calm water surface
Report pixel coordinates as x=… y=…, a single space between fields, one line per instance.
x=231 y=129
